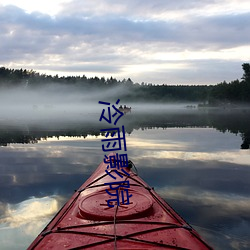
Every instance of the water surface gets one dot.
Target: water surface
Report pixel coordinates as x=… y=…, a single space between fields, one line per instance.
x=194 y=160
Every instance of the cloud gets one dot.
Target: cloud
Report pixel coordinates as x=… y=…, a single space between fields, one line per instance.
x=115 y=30
x=229 y=204
x=91 y=37
x=147 y=9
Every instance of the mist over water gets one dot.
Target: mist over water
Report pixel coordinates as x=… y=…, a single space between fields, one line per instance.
x=59 y=107
x=55 y=102
x=191 y=156
x=60 y=102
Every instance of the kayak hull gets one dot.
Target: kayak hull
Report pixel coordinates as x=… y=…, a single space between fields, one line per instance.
x=91 y=219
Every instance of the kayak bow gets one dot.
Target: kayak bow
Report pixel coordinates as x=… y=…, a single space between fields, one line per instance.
x=87 y=221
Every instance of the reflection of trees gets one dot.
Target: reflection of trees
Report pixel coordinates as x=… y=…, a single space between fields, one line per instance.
x=16 y=137
x=19 y=134
x=234 y=121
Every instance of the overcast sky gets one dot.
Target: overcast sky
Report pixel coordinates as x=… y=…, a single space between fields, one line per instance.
x=154 y=41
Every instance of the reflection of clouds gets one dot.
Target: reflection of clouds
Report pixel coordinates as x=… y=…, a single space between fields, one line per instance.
x=29 y=211
x=155 y=139
x=213 y=185
x=228 y=203
x=186 y=139
x=46 y=168
x=227 y=240
x=25 y=220
x=236 y=156
x=222 y=219
x=62 y=157
x=203 y=144
x=148 y=144
x=2 y=209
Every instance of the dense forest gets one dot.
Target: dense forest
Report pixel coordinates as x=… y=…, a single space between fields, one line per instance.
x=234 y=92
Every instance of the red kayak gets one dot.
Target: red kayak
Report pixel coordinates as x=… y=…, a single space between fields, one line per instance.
x=133 y=216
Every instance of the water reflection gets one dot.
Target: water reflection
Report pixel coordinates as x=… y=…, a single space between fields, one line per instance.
x=194 y=163
x=19 y=222
x=29 y=210
x=234 y=121
x=201 y=174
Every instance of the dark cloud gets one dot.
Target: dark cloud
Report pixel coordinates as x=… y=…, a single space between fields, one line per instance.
x=109 y=39
x=224 y=30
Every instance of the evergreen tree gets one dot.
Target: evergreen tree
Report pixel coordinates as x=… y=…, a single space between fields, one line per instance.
x=246 y=69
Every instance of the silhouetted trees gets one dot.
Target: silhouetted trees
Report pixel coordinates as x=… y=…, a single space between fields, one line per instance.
x=234 y=92
x=223 y=93
x=246 y=69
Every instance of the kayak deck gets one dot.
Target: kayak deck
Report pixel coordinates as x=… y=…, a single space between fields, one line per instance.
x=86 y=221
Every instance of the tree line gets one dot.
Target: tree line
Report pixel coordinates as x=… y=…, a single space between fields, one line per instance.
x=236 y=91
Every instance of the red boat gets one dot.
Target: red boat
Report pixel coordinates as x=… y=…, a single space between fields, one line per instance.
x=92 y=219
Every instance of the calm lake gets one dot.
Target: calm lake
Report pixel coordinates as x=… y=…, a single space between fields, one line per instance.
x=198 y=160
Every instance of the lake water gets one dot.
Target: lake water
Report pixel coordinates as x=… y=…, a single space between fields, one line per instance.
x=197 y=160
